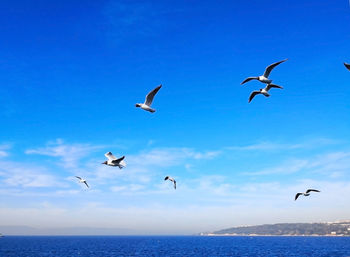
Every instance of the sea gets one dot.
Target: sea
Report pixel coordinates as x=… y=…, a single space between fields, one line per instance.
x=181 y=246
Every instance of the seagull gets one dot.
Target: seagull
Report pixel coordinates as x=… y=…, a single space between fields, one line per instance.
x=264 y=78
x=113 y=161
x=149 y=99
x=263 y=91
x=172 y=180
x=82 y=181
x=307 y=193
x=347 y=65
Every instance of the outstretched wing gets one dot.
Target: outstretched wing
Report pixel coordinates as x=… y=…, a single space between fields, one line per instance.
x=312 y=190
x=110 y=156
x=269 y=86
x=86 y=183
x=166 y=178
x=297 y=195
x=347 y=65
x=78 y=177
x=150 y=96
x=248 y=79
x=270 y=68
x=118 y=160
x=174 y=184
x=252 y=95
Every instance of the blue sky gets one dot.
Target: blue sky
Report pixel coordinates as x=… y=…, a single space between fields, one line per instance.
x=71 y=75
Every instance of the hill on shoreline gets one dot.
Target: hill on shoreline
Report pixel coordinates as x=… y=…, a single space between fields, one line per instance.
x=288 y=229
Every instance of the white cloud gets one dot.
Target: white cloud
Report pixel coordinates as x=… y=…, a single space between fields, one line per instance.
x=146 y=164
x=329 y=163
x=200 y=203
x=248 y=204
x=26 y=175
x=128 y=188
x=3 y=150
x=70 y=154
x=164 y=157
x=273 y=146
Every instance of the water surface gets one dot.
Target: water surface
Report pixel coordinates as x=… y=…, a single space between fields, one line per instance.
x=182 y=246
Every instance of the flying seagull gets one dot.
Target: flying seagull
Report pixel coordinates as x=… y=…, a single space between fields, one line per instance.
x=264 y=78
x=113 y=161
x=82 y=181
x=347 y=65
x=263 y=91
x=307 y=193
x=172 y=180
x=149 y=99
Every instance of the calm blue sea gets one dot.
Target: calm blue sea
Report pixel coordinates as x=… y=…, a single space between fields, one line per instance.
x=86 y=246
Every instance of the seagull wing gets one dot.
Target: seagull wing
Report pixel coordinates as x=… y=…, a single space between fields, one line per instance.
x=270 y=68
x=166 y=178
x=269 y=86
x=312 y=190
x=110 y=156
x=118 y=160
x=174 y=184
x=78 y=177
x=347 y=65
x=254 y=93
x=248 y=79
x=86 y=183
x=150 y=96
x=297 y=195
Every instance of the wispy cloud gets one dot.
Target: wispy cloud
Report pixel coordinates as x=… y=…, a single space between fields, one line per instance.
x=69 y=154
x=273 y=146
x=212 y=184
x=326 y=163
x=142 y=181
x=248 y=203
x=27 y=175
x=4 y=150
x=128 y=188
x=170 y=156
x=145 y=164
x=3 y=153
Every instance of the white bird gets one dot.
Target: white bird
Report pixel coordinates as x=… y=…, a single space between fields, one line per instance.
x=82 y=181
x=113 y=161
x=347 y=65
x=263 y=91
x=172 y=180
x=149 y=99
x=265 y=77
x=307 y=193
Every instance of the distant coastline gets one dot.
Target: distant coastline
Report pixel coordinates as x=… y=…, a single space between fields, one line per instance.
x=332 y=229
x=253 y=235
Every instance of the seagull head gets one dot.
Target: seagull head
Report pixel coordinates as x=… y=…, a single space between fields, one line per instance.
x=105 y=162
x=138 y=105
